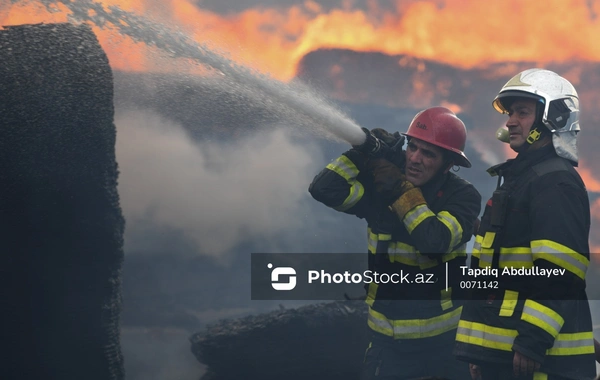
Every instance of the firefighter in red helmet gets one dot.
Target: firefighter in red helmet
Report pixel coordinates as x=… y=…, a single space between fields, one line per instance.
x=420 y=216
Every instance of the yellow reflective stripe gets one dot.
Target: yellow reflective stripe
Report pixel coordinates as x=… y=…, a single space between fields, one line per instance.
x=516 y=257
x=415 y=216
x=542 y=317
x=560 y=255
x=446 y=298
x=485 y=257
x=509 y=303
x=373 y=239
x=458 y=252
x=371 y=293
x=455 y=228
x=344 y=167
x=540 y=376
x=356 y=193
x=567 y=344
x=477 y=245
x=485 y=336
x=414 y=328
x=488 y=239
x=402 y=253
x=486 y=253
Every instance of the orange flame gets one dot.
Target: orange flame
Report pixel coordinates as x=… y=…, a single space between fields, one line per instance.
x=274 y=40
x=591 y=183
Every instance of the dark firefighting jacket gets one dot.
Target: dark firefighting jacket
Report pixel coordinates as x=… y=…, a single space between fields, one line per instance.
x=539 y=218
x=428 y=237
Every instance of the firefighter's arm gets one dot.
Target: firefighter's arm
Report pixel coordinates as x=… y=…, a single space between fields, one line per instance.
x=559 y=218
x=340 y=184
x=451 y=227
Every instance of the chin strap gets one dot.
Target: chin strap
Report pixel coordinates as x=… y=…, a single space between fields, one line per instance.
x=534 y=135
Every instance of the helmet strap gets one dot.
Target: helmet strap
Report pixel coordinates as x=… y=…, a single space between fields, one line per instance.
x=534 y=135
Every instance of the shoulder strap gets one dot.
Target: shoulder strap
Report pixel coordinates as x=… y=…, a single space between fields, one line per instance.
x=554 y=164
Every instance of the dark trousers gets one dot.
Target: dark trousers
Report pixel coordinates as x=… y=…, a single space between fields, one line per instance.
x=491 y=371
x=386 y=359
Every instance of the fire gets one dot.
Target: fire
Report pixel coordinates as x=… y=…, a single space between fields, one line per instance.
x=463 y=34
x=591 y=183
x=452 y=32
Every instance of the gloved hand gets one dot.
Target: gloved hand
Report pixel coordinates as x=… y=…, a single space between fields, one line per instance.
x=389 y=138
x=389 y=181
x=381 y=143
x=370 y=146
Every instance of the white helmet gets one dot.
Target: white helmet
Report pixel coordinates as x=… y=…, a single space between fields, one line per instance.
x=560 y=104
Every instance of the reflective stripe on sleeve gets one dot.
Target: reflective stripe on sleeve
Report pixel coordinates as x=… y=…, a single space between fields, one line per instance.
x=344 y=167
x=453 y=225
x=565 y=344
x=560 y=255
x=356 y=193
x=485 y=336
x=415 y=216
x=403 y=253
x=414 y=328
x=542 y=317
x=573 y=344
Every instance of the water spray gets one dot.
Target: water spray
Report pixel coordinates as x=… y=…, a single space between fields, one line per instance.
x=295 y=101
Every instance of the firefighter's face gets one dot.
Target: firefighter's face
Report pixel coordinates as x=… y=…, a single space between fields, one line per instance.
x=423 y=161
x=521 y=116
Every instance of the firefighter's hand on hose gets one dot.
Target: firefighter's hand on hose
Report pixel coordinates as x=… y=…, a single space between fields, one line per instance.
x=394 y=188
x=388 y=179
x=523 y=366
x=380 y=143
x=389 y=138
x=475 y=371
x=371 y=145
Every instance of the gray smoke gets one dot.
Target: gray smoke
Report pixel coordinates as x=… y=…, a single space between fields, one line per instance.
x=218 y=194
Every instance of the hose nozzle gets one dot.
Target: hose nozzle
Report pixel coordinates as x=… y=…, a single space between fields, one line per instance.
x=372 y=144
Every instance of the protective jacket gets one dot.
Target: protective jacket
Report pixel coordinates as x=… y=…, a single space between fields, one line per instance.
x=537 y=220
x=429 y=236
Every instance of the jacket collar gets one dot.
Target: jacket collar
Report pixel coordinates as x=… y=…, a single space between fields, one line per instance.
x=523 y=161
x=431 y=188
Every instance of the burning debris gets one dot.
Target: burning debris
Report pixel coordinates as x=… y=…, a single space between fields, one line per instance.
x=320 y=341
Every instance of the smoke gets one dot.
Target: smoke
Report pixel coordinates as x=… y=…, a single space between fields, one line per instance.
x=217 y=194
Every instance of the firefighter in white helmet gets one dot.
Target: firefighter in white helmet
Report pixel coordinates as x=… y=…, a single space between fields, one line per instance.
x=533 y=325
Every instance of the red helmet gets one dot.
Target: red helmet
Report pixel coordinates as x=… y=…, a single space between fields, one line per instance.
x=441 y=127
